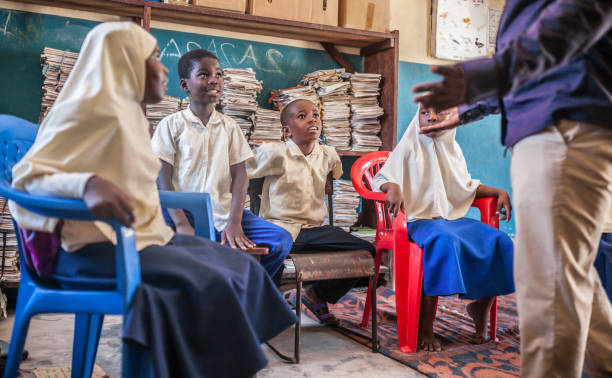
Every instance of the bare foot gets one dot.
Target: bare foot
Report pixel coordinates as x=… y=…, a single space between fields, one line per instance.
x=427 y=340
x=478 y=311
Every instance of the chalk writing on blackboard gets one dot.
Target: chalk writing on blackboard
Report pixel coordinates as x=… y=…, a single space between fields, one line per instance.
x=230 y=56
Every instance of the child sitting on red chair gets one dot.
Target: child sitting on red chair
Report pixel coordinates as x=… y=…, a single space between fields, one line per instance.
x=426 y=176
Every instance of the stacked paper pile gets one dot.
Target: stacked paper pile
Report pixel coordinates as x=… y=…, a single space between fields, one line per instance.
x=157 y=112
x=267 y=127
x=365 y=111
x=335 y=110
x=365 y=233
x=184 y=103
x=239 y=99
x=9 y=271
x=56 y=66
x=282 y=97
x=346 y=201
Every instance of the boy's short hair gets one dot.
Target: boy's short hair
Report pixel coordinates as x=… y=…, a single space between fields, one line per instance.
x=285 y=112
x=187 y=61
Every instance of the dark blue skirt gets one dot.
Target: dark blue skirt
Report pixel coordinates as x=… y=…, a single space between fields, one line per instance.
x=202 y=309
x=603 y=263
x=464 y=257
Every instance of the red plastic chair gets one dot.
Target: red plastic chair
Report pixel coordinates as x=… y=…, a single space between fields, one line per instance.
x=392 y=234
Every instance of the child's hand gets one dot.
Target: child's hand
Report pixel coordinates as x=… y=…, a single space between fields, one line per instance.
x=235 y=237
x=394 y=200
x=107 y=201
x=185 y=229
x=504 y=207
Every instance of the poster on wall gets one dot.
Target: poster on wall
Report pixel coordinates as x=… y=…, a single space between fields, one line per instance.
x=464 y=29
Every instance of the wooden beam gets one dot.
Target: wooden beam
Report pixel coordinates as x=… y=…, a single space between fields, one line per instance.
x=378 y=46
x=146 y=17
x=338 y=57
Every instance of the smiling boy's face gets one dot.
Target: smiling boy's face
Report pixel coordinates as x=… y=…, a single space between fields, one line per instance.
x=205 y=84
x=303 y=123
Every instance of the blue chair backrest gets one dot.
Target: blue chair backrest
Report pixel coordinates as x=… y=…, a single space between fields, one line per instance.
x=16 y=138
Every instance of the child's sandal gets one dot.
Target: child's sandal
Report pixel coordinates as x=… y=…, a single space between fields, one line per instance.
x=321 y=311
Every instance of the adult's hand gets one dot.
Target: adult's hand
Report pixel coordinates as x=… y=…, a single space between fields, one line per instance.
x=445 y=94
x=107 y=201
x=449 y=120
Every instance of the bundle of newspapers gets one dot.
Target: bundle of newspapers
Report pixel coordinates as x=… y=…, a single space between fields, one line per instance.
x=283 y=97
x=346 y=202
x=365 y=111
x=56 y=66
x=239 y=99
x=157 y=112
x=267 y=127
x=335 y=111
x=9 y=270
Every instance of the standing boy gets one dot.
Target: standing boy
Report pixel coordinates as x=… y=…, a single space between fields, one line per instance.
x=202 y=150
x=293 y=197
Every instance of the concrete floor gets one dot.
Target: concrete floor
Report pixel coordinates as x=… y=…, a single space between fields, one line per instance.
x=324 y=353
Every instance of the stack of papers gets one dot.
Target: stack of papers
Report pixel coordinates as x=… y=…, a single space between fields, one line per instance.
x=346 y=202
x=283 y=97
x=157 y=112
x=9 y=271
x=335 y=109
x=184 y=103
x=267 y=127
x=239 y=99
x=365 y=233
x=365 y=111
x=56 y=66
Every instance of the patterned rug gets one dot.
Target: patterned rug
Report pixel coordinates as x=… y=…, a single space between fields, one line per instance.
x=453 y=327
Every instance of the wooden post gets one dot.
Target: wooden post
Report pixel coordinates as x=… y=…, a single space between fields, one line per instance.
x=338 y=57
x=146 y=17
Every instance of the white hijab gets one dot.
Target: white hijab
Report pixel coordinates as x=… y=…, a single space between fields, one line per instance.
x=432 y=173
x=97 y=126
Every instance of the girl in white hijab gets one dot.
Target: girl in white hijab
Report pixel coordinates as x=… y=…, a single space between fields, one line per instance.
x=426 y=176
x=199 y=304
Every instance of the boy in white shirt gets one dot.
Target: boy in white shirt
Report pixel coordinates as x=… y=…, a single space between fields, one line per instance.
x=293 y=197
x=202 y=150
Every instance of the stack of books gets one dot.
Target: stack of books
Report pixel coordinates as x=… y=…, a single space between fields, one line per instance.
x=365 y=111
x=335 y=111
x=346 y=203
x=283 y=97
x=157 y=112
x=239 y=99
x=184 y=103
x=9 y=269
x=267 y=127
x=56 y=66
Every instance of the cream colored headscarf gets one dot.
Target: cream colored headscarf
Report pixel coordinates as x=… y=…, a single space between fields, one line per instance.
x=97 y=126
x=432 y=173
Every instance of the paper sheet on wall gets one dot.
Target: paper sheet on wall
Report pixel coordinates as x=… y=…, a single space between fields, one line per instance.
x=464 y=29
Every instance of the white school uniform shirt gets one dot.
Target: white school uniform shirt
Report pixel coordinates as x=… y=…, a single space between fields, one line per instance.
x=97 y=127
x=432 y=174
x=293 y=193
x=201 y=156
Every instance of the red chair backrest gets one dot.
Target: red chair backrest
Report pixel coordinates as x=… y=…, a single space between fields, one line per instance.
x=362 y=176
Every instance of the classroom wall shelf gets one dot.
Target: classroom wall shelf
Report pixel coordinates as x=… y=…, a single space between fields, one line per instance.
x=379 y=49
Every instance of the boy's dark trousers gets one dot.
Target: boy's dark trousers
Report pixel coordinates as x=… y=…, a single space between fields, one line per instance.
x=326 y=239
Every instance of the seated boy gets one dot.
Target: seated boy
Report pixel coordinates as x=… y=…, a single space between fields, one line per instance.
x=426 y=176
x=202 y=150
x=293 y=194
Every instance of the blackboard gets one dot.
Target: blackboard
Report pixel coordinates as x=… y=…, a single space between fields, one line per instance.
x=23 y=35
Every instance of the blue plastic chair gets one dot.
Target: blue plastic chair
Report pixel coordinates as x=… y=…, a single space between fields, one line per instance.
x=37 y=296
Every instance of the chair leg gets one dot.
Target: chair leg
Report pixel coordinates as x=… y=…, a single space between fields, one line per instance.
x=493 y=320
x=87 y=329
x=298 y=313
x=18 y=338
x=408 y=284
x=366 y=308
x=374 y=315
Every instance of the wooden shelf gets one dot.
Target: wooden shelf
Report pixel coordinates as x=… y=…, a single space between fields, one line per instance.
x=226 y=20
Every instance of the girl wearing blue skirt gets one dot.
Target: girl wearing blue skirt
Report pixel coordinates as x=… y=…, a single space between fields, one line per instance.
x=426 y=176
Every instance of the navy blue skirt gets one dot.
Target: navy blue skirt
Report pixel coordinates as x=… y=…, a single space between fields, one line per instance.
x=464 y=257
x=202 y=309
x=603 y=263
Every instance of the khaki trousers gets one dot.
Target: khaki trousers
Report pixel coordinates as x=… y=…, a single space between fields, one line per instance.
x=562 y=185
